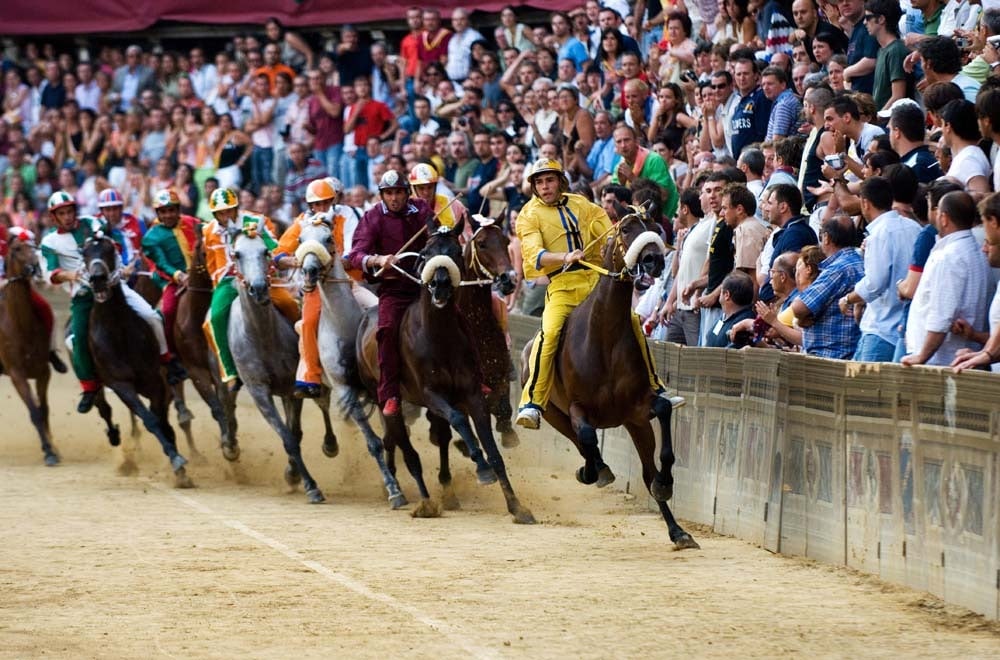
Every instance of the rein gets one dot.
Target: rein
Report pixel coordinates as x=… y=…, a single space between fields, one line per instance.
x=476 y=264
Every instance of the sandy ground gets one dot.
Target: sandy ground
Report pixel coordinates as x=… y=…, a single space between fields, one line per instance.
x=97 y=565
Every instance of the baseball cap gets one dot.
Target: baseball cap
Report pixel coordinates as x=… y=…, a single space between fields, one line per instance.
x=885 y=114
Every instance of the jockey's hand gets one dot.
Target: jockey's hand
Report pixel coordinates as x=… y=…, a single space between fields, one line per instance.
x=385 y=261
x=182 y=279
x=572 y=257
x=288 y=261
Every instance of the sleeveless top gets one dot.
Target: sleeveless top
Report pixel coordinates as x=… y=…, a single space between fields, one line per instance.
x=811 y=173
x=229 y=154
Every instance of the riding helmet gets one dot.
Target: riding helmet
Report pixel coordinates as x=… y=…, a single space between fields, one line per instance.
x=59 y=199
x=166 y=197
x=392 y=179
x=109 y=197
x=423 y=174
x=222 y=199
x=319 y=190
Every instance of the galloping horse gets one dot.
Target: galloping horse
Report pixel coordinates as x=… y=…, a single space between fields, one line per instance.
x=265 y=350
x=338 y=330
x=195 y=354
x=24 y=348
x=437 y=372
x=126 y=354
x=600 y=374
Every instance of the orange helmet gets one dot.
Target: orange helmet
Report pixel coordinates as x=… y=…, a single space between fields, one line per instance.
x=319 y=190
x=165 y=197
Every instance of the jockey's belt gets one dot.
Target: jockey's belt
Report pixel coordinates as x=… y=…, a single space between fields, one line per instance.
x=560 y=270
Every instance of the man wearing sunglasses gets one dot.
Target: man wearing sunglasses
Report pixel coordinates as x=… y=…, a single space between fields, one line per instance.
x=719 y=135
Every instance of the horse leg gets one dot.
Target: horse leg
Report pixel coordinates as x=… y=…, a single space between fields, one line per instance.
x=396 y=429
x=662 y=486
x=184 y=417
x=374 y=443
x=202 y=382
x=449 y=501
x=155 y=420
x=104 y=410
x=645 y=445
x=594 y=469
x=293 y=419
x=437 y=404
x=42 y=393
x=330 y=446
x=481 y=418
x=23 y=388
x=262 y=397
x=503 y=411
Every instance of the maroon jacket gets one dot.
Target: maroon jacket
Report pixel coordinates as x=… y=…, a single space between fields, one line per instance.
x=382 y=232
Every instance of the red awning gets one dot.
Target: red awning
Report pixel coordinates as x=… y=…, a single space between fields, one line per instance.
x=103 y=16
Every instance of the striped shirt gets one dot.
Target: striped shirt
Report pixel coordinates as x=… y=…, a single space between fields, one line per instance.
x=784 y=115
x=833 y=334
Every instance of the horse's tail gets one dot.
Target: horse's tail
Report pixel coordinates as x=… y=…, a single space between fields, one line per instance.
x=356 y=398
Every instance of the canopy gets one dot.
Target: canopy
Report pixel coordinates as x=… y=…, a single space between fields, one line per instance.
x=103 y=16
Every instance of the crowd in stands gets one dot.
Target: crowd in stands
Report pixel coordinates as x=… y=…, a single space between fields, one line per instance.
x=823 y=170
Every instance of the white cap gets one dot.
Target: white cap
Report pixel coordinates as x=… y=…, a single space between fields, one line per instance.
x=885 y=114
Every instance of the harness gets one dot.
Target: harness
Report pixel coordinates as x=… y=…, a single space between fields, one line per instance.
x=619 y=249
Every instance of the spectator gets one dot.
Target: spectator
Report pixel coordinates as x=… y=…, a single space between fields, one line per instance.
x=793 y=233
x=485 y=171
x=692 y=251
x=906 y=134
x=941 y=60
x=749 y=235
x=204 y=76
x=827 y=331
x=294 y=50
x=960 y=133
x=736 y=302
x=353 y=60
x=325 y=124
x=966 y=358
x=637 y=162
x=862 y=48
x=302 y=170
x=433 y=44
x=752 y=113
x=892 y=82
x=273 y=67
x=460 y=45
x=954 y=286
x=785 y=106
x=52 y=91
x=569 y=47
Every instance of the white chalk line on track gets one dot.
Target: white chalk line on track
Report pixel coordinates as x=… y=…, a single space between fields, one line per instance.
x=361 y=589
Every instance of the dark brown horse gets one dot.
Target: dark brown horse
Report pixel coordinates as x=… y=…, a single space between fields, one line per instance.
x=437 y=372
x=126 y=354
x=24 y=346
x=600 y=374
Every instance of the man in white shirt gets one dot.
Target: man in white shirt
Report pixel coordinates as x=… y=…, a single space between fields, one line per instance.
x=955 y=285
x=684 y=318
x=204 y=77
x=87 y=94
x=460 y=46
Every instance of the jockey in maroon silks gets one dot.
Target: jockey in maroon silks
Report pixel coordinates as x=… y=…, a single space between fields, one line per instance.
x=382 y=232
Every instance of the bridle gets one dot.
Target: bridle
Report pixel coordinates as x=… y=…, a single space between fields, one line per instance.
x=29 y=272
x=114 y=274
x=476 y=264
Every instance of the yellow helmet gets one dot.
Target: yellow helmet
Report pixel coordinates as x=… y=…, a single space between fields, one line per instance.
x=165 y=197
x=319 y=190
x=423 y=174
x=548 y=165
x=222 y=199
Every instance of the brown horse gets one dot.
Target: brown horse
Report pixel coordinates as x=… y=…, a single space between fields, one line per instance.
x=600 y=374
x=24 y=348
x=437 y=372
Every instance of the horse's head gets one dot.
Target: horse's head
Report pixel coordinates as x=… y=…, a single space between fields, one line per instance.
x=440 y=271
x=636 y=249
x=315 y=247
x=253 y=265
x=487 y=256
x=22 y=258
x=100 y=258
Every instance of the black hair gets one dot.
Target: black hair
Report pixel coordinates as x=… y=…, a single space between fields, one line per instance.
x=878 y=191
x=961 y=116
x=910 y=121
x=940 y=54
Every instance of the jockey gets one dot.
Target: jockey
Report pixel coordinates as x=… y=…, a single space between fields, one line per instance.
x=127 y=229
x=557 y=230
x=382 y=232
x=63 y=252
x=423 y=181
x=224 y=206
x=41 y=306
x=169 y=245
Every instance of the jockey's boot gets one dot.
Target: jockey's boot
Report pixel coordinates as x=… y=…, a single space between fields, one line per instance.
x=234 y=385
x=529 y=417
x=307 y=390
x=391 y=407
x=175 y=371
x=57 y=362
x=86 y=402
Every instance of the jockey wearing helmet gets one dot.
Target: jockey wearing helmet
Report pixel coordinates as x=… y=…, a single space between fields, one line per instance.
x=126 y=229
x=169 y=246
x=224 y=205
x=63 y=253
x=41 y=306
x=382 y=232
x=424 y=183
x=321 y=197
x=558 y=230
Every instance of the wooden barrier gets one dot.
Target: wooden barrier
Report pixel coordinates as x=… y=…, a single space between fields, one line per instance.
x=892 y=471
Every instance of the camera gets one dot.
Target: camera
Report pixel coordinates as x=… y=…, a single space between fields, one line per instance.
x=963 y=43
x=835 y=161
x=689 y=76
x=462 y=121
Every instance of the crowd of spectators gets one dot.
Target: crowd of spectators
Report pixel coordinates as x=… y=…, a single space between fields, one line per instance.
x=822 y=169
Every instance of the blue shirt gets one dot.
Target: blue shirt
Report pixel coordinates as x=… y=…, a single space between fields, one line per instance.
x=600 y=157
x=833 y=334
x=862 y=45
x=750 y=118
x=888 y=250
x=574 y=50
x=784 y=115
x=795 y=235
x=923 y=163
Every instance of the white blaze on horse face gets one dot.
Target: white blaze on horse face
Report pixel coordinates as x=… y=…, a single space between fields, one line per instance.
x=251 y=259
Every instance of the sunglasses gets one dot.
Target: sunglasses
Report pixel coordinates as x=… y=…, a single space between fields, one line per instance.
x=869 y=17
x=722 y=86
x=505 y=109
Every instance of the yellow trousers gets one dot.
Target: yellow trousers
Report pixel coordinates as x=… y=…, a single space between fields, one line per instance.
x=565 y=292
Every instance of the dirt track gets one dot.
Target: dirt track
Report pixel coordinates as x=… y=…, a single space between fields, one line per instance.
x=96 y=565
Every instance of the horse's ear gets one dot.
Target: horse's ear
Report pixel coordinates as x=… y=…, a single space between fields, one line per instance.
x=620 y=210
x=432 y=225
x=459 y=226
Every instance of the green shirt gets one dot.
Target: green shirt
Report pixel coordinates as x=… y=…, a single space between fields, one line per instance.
x=160 y=245
x=933 y=24
x=656 y=170
x=888 y=69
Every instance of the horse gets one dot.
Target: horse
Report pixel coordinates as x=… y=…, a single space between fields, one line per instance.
x=600 y=375
x=437 y=372
x=24 y=348
x=126 y=354
x=265 y=351
x=340 y=319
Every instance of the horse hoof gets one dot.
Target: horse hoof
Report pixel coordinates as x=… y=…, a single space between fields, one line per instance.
x=315 y=496
x=51 y=460
x=585 y=478
x=397 y=501
x=605 y=477
x=661 y=492
x=231 y=452
x=449 y=502
x=292 y=476
x=184 y=417
x=177 y=463
x=685 y=542
x=486 y=477
x=114 y=436
x=182 y=480
x=523 y=516
x=509 y=439
x=426 y=509
x=128 y=468
x=331 y=449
